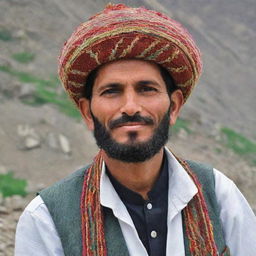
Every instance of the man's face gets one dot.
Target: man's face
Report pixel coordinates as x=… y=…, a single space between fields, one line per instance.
x=130 y=110
x=132 y=151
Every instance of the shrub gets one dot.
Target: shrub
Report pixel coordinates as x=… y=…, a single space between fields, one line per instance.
x=23 y=57
x=10 y=186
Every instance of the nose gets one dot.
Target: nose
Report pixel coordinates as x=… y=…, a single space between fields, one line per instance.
x=130 y=104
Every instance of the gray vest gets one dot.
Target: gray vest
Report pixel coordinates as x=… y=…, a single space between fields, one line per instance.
x=63 y=202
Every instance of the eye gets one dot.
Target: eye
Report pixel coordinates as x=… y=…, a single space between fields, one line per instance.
x=146 y=88
x=110 y=91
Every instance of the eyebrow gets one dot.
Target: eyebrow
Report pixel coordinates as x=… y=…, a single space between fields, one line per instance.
x=148 y=82
x=118 y=85
x=109 y=85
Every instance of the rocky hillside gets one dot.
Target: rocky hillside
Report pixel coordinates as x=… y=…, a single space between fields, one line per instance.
x=43 y=140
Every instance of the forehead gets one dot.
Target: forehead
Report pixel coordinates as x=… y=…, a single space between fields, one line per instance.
x=128 y=66
x=128 y=70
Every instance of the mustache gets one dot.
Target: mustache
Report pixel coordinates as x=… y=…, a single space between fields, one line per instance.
x=137 y=118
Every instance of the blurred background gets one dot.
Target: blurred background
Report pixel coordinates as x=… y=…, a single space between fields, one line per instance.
x=42 y=137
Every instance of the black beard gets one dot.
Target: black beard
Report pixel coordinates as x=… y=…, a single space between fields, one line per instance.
x=132 y=152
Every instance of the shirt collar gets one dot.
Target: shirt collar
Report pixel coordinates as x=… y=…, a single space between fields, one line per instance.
x=159 y=189
x=181 y=190
x=181 y=187
x=110 y=199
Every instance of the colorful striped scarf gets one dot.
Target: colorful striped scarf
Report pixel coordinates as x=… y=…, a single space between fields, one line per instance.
x=198 y=226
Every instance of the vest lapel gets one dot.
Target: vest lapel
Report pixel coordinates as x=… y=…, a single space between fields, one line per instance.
x=113 y=234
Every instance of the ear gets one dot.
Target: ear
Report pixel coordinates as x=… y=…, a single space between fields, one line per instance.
x=84 y=107
x=177 y=101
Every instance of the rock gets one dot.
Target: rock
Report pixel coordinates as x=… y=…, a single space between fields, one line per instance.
x=16 y=217
x=10 y=89
x=15 y=203
x=4 y=210
x=64 y=144
x=31 y=142
x=24 y=130
x=26 y=91
x=30 y=139
x=52 y=141
x=2 y=248
x=58 y=142
x=20 y=34
x=215 y=131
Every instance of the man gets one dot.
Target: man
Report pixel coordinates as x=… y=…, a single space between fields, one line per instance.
x=130 y=70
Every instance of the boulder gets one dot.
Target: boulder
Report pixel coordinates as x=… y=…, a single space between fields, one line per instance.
x=64 y=144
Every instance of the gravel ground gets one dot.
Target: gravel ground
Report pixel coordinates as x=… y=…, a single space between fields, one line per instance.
x=10 y=211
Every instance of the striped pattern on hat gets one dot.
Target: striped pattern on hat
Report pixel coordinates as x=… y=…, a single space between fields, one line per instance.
x=121 y=32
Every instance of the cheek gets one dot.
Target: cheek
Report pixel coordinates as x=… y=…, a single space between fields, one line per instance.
x=159 y=108
x=103 y=111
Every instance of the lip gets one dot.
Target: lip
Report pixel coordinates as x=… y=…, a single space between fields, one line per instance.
x=131 y=126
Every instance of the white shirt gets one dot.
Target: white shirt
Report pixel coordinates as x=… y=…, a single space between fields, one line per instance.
x=36 y=234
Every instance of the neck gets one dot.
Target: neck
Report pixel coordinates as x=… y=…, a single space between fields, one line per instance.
x=138 y=177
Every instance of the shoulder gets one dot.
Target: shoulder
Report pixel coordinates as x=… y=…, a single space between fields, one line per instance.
x=237 y=217
x=209 y=176
x=204 y=172
x=228 y=194
x=36 y=234
x=35 y=214
x=36 y=209
x=223 y=184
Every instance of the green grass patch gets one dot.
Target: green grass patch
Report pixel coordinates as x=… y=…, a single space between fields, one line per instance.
x=24 y=57
x=5 y=35
x=240 y=144
x=10 y=186
x=45 y=91
x=181 y=124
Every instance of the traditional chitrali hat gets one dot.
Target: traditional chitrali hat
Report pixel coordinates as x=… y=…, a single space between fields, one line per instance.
x=121 y=32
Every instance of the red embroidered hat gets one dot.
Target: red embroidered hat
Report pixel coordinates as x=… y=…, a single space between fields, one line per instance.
x=122 y=32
